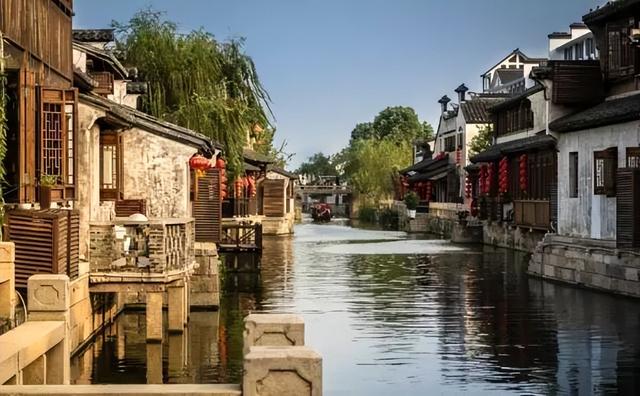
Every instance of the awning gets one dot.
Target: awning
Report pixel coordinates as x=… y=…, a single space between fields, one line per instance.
x=610 y=112
x=497 y=151
x=419 y=166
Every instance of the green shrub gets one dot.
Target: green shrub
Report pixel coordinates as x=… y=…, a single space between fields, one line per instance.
x=367 y=214
x=389 y=219
x=411 y=200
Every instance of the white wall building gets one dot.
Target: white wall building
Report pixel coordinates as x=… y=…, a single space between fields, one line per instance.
x=577 y=44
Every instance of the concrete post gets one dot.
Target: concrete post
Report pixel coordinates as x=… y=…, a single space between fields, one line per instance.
x=7 y=282
x=177 y=306
x=273 y=330
x=282 y=371
x=154 y=316
x=154 y=363
x=49 y=300
x=205 y=288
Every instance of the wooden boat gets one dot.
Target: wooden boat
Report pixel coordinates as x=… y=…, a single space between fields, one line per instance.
x=321 y=212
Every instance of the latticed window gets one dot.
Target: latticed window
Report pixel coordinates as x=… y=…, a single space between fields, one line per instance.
x=57 y=136
x=633 y=157
x=605 y=166
x=110 y=166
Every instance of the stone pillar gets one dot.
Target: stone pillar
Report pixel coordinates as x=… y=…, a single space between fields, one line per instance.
x=205 y=282
x=49 y=300
x=177 y=307
x=154 y=363
x=178 y=358
x=273 y=330
x=282 y=371
x=7 y=282
x=154 y=316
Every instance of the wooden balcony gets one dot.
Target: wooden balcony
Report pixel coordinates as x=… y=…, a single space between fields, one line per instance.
x=532 y=213
x=105 y=82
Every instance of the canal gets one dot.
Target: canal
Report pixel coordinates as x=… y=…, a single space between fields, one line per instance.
x=397 y=314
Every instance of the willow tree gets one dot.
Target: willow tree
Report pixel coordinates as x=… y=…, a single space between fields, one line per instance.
x=195 y=81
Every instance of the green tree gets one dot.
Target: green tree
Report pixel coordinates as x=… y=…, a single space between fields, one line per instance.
x=371 y=166
x=363 y=130
x=317 y=165
x=400 y=124
x=265 y=145
x=481 y=141
x=427 y=132
x=195 y=81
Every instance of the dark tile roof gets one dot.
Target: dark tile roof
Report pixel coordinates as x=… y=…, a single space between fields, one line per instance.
x=249 y=167
x=524 y=58
x=282 y=172
x=609 y=10
x=435 y=171
x=516 y=99
x=610 y=112
x=578 y=25
x=128 y=117
x=83 y=81
x=514 y=147
x=94 y=35
x=137 y=87
x=475 y=111
x=104 y=56
x=559 y=35
x=510 y=75
x=418 y=166
x=255 y=157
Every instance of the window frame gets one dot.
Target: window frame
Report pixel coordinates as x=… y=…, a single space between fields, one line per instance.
x=605 y=183
x=632 y=155
x=574 y=173
x=111 y=138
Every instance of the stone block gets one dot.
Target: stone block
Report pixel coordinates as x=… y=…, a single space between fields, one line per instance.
x=154 y=316
x=631 y=274
x=535 y=268
x=273 y=330
x=601 y=281
x=595 y=267
x=48 y=293
x=615 y=271
x=282 y=371
x=585 y=278
x=549 y=271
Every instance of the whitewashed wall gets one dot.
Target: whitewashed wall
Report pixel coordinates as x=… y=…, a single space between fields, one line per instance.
x=589 y=215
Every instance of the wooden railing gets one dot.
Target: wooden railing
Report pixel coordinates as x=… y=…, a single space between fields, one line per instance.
x=532 y=213
x=241 y=236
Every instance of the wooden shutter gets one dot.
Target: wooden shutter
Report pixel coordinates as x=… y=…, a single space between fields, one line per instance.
x=207 y=207
x=633 y=157
x=273 y=201
x=127 y=207
x=628 y=208
x=47 y=241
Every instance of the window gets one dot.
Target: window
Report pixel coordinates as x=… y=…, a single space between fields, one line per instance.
x=568 y=53
x=633 y=157
x=605 y=166
x=110 y=166
x=515 y=119
x=573 y=175
x=56 y=136
x=579 y=51
x=619 y=53
x=450 y=144
x=460 y=140
x=589 y=48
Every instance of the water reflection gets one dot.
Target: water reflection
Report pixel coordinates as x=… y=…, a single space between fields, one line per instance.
x=388 y=318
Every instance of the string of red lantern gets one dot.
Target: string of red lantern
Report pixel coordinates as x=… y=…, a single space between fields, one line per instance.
x=468 y=189
x=524 y=182
x=503 y=176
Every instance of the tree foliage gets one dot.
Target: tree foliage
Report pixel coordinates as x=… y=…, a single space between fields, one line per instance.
x=427 y=132
x=195 y=81
x=481 y=141
x=318 y=165
x=400 y=124
x=371 y=165
x=363 y=130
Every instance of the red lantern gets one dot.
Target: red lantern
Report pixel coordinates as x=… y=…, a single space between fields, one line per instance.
x=458 y=156
x=198 y=162
x=428 y=191
x=467 y=187
x=220 y=164
x=237 y=187
x=491 y=171
x=483 y=179
x=252 y=186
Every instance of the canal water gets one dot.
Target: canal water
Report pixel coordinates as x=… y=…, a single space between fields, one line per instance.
x=394 y=314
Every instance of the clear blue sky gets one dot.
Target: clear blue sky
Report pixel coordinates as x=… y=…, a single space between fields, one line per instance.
x=329 y=64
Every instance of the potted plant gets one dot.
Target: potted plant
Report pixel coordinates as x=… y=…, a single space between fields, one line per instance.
x=50 y=191
x=411 y=200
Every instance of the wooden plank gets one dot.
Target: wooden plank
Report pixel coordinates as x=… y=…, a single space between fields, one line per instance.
x=207 y=207
x=273 y=197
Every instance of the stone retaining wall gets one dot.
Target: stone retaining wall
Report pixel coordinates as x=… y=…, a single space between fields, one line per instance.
x=512 y=237
x=587 y=263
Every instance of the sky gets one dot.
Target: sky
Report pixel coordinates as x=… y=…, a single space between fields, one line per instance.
x=330 y=64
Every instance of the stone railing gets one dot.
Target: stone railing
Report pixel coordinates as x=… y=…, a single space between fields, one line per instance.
x=276 y=362
x=445 y=210
x=155 y=246
x=7 y=286
x=37 y=352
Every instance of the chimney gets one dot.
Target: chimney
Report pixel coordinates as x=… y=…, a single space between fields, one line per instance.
x=461 y=91
x=444 y=101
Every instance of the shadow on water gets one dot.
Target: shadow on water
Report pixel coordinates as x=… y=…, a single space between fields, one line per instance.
x=398 y=315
